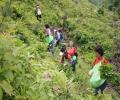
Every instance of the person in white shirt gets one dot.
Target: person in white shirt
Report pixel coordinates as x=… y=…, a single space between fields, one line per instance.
x=38 y=13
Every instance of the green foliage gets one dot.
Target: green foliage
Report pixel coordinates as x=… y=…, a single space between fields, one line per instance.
x=6 y=9
x=108 y=72
x=7 y=65
x=1 y=94
x=101 y=11
x=112 y=5
x=24 y=61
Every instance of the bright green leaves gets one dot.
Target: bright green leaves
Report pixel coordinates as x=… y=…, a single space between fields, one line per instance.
x=8 y=75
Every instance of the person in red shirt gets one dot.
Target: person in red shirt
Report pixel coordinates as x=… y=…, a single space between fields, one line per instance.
x=71 y=52
x=99 y=55
x=67 y=54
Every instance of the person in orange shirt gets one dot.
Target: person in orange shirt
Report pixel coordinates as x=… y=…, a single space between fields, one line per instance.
x=99 y=58
x=99 y=55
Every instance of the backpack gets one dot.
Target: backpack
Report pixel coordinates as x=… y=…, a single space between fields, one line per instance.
x=96 y=79
x=49 y=39
x=61 y=36
x=72 y=51
x=74 y=59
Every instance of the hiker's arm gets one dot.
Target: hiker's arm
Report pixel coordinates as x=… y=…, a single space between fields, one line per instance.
x=91 y=72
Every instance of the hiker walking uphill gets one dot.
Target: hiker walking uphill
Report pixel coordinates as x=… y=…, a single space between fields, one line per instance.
x=96 y=81
x=58 y=37
x=38 y=13
x=49 y=39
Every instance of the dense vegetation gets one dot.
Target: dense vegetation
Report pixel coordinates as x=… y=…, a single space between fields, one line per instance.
x=28 y=72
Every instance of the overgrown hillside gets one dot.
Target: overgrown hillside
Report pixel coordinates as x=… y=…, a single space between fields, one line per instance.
x=29 y=72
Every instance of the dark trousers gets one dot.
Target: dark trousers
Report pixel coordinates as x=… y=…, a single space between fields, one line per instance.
x=74 y=66
x=58 y=43
x=51 y=47
x=38 y=17
x=64 y=57
x=101 y=88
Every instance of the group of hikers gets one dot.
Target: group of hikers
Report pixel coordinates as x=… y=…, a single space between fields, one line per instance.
x=71 y=56
x=54 y=39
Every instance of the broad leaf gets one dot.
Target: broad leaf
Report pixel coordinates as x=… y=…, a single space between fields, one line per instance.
x=8 y=75
x=6 y=87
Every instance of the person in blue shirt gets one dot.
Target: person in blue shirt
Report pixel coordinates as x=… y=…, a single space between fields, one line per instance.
x=59 y=37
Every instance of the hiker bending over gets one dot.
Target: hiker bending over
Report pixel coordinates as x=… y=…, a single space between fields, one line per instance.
x=58 y=37
x=68 y=54
x=38 y=13
x=96 y=81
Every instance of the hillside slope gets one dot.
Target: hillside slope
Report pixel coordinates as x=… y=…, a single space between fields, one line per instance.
x=29 y=72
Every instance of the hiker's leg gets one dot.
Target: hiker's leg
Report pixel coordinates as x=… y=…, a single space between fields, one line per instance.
x=60 y=43
x=40 y=16
x=57 y=43
x=103 y=86
x=62 y=60
x=37 y=17
x=96 y=91
x=49 y=47
x=73 y=67
x=52 y=47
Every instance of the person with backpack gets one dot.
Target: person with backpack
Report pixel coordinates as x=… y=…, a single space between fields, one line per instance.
x=72 y=50
x=73 y=61
x=49 y=38
x=38 y=13
x=50 y=44
x=58 y=37
x=68 y=54
x=98 y=83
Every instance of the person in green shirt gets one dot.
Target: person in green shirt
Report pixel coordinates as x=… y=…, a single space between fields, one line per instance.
x=73 y=61
x=98 y=83
x=50 y=41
